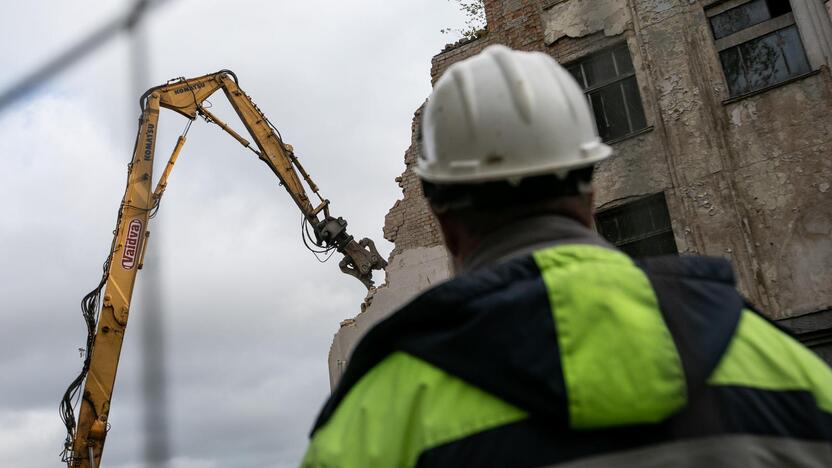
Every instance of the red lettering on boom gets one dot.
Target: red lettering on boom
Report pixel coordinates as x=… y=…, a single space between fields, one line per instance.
x=131 y=244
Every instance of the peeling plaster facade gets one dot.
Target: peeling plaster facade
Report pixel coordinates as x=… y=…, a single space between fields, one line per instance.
x=580 y=18
x=746 y=178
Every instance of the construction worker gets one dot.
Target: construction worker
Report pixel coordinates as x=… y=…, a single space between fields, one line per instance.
x=550 y=347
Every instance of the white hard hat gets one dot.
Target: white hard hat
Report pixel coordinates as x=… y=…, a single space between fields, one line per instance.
x=506 y=115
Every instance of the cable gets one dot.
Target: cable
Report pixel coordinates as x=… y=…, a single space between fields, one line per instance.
x=304 y=226
x=155 y=210
x=327 y=257
x=277 y=132
x=304 y=231
x=89 y=311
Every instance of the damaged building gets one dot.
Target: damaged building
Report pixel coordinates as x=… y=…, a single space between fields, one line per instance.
x=719 y=114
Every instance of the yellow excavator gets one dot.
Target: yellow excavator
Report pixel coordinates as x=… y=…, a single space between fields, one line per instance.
x=106 y=325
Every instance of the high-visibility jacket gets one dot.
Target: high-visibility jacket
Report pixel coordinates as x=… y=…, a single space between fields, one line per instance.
x=578 y=356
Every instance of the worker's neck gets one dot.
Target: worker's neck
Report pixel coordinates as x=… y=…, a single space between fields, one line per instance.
x=518 y=237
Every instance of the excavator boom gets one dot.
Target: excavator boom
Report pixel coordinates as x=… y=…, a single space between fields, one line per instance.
x=86 y=436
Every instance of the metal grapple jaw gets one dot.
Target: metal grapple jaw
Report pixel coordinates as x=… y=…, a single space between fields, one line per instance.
x=360 y=259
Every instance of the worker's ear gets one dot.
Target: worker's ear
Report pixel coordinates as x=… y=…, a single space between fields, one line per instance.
x=450 y=230
x=590 y=207
x=454 y=235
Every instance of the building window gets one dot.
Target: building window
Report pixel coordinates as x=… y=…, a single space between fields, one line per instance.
x=640 y=229
x=609 y=81
x=758 y=42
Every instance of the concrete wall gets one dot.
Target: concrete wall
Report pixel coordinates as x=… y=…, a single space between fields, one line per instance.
x=409 y=273
x=748 y=179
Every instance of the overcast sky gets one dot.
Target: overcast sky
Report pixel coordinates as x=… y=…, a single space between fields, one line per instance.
x=249 y=314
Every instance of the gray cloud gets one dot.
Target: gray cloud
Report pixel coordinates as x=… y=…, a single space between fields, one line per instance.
x=249 y=313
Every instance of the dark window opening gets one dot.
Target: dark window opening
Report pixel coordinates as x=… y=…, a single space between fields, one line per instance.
x=764 y=61
x=640 y=229
x=746 y=15
x=609 y=81
x=759 y=45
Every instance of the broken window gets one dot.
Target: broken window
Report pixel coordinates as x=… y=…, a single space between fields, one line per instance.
x=758 y=42
x=609 y=80
x=640 y=229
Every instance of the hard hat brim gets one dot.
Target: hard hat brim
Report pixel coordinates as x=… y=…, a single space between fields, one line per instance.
x=598 y=154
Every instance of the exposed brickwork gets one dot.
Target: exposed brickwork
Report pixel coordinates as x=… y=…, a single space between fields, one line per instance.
x=442 y=61
x=409 y=224
x=515 y=23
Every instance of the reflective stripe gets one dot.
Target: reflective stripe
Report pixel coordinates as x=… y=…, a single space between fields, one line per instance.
x=760 y=356
x=734 y=451
x=722 y=411
x=400 y=408
x=619 y=361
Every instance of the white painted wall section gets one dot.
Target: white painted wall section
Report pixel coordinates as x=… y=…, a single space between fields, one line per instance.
x=408 y=274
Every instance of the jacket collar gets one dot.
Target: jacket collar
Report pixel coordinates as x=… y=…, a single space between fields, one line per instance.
x=527 y=235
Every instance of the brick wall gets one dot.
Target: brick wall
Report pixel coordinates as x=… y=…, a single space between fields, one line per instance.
x=455 y=52
x=515 y=23
x=409 y=224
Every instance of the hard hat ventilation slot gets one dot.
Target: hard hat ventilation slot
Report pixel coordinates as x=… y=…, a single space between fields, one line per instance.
x=494 y=159
x=518 y=87
x=463 y=86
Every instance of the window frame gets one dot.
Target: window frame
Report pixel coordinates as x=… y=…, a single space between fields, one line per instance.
x=659 y=199
x=753 y=32
x=610 y=49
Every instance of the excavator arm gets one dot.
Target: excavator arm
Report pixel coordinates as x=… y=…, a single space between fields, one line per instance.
x=107 y=325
